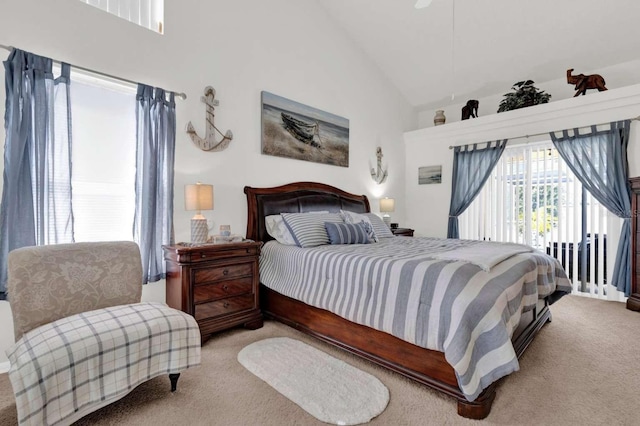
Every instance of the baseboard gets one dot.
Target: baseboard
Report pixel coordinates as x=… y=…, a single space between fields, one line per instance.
x=4 y=366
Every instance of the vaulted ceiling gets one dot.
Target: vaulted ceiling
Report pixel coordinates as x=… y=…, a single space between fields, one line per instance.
x=479 y=48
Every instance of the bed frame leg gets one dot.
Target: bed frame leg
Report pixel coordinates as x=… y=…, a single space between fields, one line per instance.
x=480 y=408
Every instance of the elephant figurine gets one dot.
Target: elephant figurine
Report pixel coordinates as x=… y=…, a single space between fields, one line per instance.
x=584 y=82
x=470 y=109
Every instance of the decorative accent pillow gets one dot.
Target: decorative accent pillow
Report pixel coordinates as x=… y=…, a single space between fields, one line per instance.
x=308 y=229
x=381 y=230
x=346 y=233
x=277 y=229
x=351 y=217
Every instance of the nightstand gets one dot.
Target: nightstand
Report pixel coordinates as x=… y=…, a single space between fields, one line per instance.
x=405 y=232
x=216 y=283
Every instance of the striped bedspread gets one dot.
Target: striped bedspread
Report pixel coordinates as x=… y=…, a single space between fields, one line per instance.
x=396 y=286
x=64 y=370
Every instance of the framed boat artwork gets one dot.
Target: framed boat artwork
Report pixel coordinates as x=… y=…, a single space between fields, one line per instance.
x=294 y=130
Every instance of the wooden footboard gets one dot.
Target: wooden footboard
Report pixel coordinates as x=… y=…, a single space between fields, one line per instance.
x=422 y=365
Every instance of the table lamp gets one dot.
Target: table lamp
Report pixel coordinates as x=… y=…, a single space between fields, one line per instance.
x=198 y=197
x=387 y=205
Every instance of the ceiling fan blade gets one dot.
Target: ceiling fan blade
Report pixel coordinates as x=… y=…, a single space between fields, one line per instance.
x=422 y=3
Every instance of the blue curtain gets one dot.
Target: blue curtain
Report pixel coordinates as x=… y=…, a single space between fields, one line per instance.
x=36 y=194
x=155 y=158
x=599 y=161
x=471 y=169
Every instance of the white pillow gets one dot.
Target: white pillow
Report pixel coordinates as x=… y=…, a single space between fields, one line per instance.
x=278 y=229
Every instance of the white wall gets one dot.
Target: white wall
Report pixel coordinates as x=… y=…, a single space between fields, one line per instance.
x=287 y=47
x=427 y=206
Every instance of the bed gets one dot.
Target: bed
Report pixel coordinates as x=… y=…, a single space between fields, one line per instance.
x=368 y=337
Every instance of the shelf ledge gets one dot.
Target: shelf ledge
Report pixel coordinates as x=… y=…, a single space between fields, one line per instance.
x=611 y=105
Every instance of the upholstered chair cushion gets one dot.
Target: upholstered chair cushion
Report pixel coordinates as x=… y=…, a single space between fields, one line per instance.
x=47 y=283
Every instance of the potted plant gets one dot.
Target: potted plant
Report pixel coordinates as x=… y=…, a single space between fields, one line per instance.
x=526 y=94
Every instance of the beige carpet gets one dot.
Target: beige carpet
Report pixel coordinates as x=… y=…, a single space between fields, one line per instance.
x=582 y=369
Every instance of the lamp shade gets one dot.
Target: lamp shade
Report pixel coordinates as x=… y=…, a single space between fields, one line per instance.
x=387 y=205
x=198 y=197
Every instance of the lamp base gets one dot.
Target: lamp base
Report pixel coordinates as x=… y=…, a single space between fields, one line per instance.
x=199 y=231
x=387 y=220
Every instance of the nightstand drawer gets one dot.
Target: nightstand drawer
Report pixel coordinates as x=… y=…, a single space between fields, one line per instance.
x=205 y=275
x=203 y=293
x=224 y=306
x=205 y=255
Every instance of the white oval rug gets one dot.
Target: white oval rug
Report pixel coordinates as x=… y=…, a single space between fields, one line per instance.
x=327 y=388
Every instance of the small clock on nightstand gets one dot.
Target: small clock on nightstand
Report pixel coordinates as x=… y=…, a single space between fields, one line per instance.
x=405 y=232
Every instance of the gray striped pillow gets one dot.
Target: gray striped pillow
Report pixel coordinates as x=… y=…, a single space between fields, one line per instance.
x=351 y=217
x=346 y=233
x=379 y=228
x=308 y=229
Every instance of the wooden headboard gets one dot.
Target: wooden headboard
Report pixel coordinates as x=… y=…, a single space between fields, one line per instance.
x=297 y=197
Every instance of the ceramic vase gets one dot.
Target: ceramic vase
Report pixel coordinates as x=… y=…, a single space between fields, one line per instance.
x=439 y=118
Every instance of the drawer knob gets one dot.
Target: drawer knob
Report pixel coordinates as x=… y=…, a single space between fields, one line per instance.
x=203 y=255
x=248 y=251
x=225 y=272
x=225 y=287
x=226 y=304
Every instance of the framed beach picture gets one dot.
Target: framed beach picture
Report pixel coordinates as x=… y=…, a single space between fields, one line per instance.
x=429 y=174
x=294 y=130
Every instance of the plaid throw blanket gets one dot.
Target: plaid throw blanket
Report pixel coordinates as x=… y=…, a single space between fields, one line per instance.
x=69 y=368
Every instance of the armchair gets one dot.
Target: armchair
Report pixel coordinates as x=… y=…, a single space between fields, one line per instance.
x=83 y=339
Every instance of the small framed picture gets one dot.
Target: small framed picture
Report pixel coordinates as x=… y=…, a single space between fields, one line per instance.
x=429 y=174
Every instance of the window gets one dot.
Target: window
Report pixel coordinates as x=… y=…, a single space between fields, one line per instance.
x=103 y=159
x=146 y=13
x=533 y=198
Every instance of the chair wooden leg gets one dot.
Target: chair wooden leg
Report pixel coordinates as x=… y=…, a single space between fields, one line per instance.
x=174 y=381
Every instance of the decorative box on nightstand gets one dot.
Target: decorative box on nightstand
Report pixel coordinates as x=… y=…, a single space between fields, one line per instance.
x=405 y=232
x=216 y=283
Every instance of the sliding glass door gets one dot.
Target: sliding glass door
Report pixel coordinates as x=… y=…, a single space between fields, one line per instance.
x=533 y=198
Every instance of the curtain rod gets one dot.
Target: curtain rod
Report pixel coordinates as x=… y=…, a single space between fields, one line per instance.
x=537 y=134
x=181 y=95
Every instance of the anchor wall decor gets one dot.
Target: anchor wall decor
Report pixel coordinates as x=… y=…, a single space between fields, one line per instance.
x=379 y=175
x=209 y=142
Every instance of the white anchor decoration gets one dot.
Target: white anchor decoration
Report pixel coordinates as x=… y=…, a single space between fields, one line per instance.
x=209 y=143
x=379 y=175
